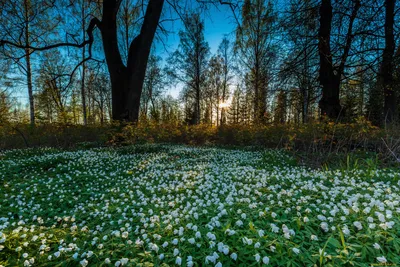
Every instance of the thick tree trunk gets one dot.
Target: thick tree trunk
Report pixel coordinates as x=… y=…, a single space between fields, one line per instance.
x=127 y=81
x=386 y=72
x=330 y=102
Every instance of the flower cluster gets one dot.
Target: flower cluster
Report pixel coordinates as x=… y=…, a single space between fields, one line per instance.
x=186 y=206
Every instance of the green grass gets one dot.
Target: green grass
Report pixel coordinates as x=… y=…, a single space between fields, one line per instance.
x=212 y=206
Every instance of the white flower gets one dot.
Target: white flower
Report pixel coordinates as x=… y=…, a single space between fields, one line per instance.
x=258 y=257
x=161 y=257
x=117 y=263
x=25 y=255
x=124 y=261
x=247 y=241
x=261 y=233
x=382 y=259
x=178 y=260
x=257 y=245
x=57 y=254
x=314 y=237
x=296 y=250
x=218 y=264
x=125 y=235
x=358 y=225
x=84 y=262
x=191 y=241
x=265 y=260
x=234 y=256
x=176 y=252
x=376 y=246
x=107 y=261
x=324 y=226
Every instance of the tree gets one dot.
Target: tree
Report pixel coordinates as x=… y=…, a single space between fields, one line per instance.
x=330 y=73
x=188 y=64
x=300 y=67
x=387 y=68
x=254 y=42
x=225 y=52
x=215 y=87
x=280 y=108
x=27 y=23
x=153 y=86
x=54 y=86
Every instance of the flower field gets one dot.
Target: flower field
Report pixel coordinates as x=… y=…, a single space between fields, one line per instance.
x=179 y=206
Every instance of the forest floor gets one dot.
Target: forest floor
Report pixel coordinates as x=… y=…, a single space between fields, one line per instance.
x=155 y=205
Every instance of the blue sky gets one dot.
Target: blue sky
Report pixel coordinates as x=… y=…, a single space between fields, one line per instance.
x=217 y=23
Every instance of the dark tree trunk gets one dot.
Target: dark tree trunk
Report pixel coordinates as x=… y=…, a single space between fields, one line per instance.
x=83 y=94
x=386 y=72
x=127 y=81
x=329 y=75
x=329 y=103
x=28 y=63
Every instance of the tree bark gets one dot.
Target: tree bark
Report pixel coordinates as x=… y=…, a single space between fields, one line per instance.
x=28 y=64
x=329 y=75
x=83 y=94
x=386 y=71
x=329 y=103
x=127 y=81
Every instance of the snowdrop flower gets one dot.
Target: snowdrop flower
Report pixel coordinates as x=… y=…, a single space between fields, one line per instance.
x=25 y=255
x=107 y=261
x=191 y=241
x=218 y=264
x=57 y=254
x=265 y=260
x=258 y=257
x=198 y=235
x=178 y=260
x=161 y=257
x=296 y=250
x=257 y=245
x=314 y=237
x=376 y=246
x=117 y=263
x=124 y=261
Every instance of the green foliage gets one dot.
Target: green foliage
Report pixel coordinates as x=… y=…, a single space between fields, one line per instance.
x=63 y=208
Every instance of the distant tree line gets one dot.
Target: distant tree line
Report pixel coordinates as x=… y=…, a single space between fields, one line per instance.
x=93 y=62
